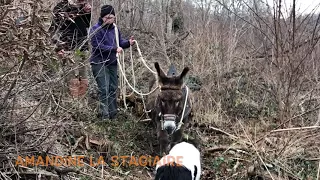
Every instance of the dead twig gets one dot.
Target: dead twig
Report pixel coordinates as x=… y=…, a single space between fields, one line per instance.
x=87 y=142
x=230 y=135
x=298 y=128
x=35 y=173
x=226 y=148
x=289 y=119
x=13 y=84
x=24 y=131
x=145 y=120
x=318 y=174
x=77 y=144
x=226 y=133
x=63 y=171
x=313 y=159
x=4 y=176
x=255 y=149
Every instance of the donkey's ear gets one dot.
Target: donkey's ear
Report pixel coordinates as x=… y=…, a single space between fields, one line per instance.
x=159 y=70
x=184 y=72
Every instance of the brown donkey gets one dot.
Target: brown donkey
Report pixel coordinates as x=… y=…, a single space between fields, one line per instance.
x=169 y=107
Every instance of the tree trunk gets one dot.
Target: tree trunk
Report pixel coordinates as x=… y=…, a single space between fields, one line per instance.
x=95 y=12
x=169 y=16
x=141 y=15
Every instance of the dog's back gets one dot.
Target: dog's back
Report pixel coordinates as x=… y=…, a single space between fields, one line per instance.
x=186 y=165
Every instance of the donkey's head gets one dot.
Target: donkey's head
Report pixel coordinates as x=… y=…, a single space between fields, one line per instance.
x=170 y=101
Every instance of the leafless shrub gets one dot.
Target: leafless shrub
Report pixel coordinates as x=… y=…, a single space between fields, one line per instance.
x=35 y=103
x=257 y=71
x=253 y=63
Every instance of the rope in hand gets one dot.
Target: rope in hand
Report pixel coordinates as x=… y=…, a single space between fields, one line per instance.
x=122 y=76
x=122 y=73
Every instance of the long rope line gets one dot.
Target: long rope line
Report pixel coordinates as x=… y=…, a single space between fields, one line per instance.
x=123 y=78
x=141 y=58
x=126 y=80
x=132 y=71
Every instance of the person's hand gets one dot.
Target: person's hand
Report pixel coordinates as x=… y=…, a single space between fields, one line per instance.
x=119 y=50
x=87 y=7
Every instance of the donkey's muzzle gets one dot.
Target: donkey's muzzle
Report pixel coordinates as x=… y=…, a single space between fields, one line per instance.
x=169 y=123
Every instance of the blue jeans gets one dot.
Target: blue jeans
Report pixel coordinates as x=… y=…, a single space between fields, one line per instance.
x=107 y=81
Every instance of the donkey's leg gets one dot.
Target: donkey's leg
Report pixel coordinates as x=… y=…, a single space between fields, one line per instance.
x=176 y=137
x=163 y=138
x=164 y=141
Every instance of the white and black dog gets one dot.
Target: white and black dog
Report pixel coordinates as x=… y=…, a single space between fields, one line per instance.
x=182 y=163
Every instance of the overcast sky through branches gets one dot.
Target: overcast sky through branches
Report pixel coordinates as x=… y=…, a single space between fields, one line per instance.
x=302 y=6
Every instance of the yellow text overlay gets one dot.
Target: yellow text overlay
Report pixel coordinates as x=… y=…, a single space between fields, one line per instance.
x=116 y=161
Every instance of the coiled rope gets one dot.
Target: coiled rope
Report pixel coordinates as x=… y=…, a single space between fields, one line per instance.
x=123 y=77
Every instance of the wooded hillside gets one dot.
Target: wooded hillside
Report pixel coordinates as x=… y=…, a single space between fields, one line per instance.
x=254 y=75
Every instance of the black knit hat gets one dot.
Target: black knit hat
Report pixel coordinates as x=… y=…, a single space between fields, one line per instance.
x=105 y=10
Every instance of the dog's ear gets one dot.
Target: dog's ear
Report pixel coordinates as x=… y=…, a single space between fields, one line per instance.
x=194 y=141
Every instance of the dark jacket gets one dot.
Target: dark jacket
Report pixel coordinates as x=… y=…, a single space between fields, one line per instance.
x=72 y=33
x=104 y=46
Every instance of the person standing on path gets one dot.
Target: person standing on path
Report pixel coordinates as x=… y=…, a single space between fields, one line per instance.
x=103 y=60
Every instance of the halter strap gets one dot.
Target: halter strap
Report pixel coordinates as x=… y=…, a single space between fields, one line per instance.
x=184 y=109
x=182 y=114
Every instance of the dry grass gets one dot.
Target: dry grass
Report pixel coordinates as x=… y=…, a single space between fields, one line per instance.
x=247 y=94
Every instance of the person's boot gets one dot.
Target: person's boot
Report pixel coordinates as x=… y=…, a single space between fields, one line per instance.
x=103 y=114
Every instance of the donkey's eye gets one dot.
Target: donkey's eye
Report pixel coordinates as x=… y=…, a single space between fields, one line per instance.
x=177 y=104
x=162 y=103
